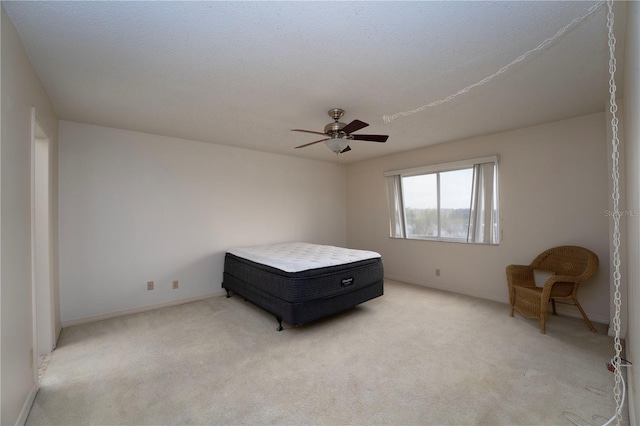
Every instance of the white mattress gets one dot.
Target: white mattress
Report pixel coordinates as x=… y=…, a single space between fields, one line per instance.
x=296 y=257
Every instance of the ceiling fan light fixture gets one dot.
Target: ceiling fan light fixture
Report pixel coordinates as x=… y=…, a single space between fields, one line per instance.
x=337 y=145
x=338 y=135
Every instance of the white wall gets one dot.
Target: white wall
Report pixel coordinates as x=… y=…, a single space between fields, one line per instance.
x=553 y=191
x=21 y=90
x=632 y=163
x=137 y=207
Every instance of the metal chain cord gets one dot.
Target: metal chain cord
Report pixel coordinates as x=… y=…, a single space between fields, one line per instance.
x=544 y=44
x=615 y=175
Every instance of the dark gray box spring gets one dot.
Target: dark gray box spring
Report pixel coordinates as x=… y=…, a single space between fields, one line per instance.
x=301 y=297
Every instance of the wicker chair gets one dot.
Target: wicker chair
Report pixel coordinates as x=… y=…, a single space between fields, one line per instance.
x=570 y=265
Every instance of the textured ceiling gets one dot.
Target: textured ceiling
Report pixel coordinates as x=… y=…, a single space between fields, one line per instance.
x=245 y=73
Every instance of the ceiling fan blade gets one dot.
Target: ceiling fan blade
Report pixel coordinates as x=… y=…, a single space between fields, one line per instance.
x=347 y=149
x=311 y=143
x=308 y=131
x=353 y=126
x=370 y=138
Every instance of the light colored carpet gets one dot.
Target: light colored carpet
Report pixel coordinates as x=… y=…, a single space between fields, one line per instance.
x=412 y=356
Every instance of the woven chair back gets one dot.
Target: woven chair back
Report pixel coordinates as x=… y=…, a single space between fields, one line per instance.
x=573 y=261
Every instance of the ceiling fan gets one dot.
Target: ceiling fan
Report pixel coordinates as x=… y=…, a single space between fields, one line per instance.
x=339 y=134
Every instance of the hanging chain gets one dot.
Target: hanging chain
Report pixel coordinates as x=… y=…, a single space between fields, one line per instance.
x=541 y=46
x=615 y=175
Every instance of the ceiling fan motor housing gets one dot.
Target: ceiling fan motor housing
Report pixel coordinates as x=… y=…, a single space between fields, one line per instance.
x=335 y=129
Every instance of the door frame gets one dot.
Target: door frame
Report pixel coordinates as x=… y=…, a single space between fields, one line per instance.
x=44 y=329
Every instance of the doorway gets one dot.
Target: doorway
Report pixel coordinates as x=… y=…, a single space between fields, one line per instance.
x=42 y=283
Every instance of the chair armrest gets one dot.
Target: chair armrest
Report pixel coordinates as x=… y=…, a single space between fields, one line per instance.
x=520 y=275
x=553 y=279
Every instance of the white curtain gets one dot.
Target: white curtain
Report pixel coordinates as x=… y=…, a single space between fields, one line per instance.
x=483 y=221
x=396 y=210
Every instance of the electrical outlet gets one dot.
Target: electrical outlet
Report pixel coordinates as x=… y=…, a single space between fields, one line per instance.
x=175 y=284
x=149 y=285
x=437 y=272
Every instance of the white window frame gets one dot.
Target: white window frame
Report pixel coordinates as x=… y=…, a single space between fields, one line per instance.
x=490 y=234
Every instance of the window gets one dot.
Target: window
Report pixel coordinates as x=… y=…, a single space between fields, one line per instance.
x=446 y=202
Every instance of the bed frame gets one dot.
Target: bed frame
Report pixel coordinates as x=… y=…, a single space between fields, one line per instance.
x=304 y=296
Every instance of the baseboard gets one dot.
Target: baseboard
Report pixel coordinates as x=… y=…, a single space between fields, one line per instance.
x=58 y=331
x=101 y=317
x=569 y=312
x=435 y=287
x=612 y=331
x=26 y=408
